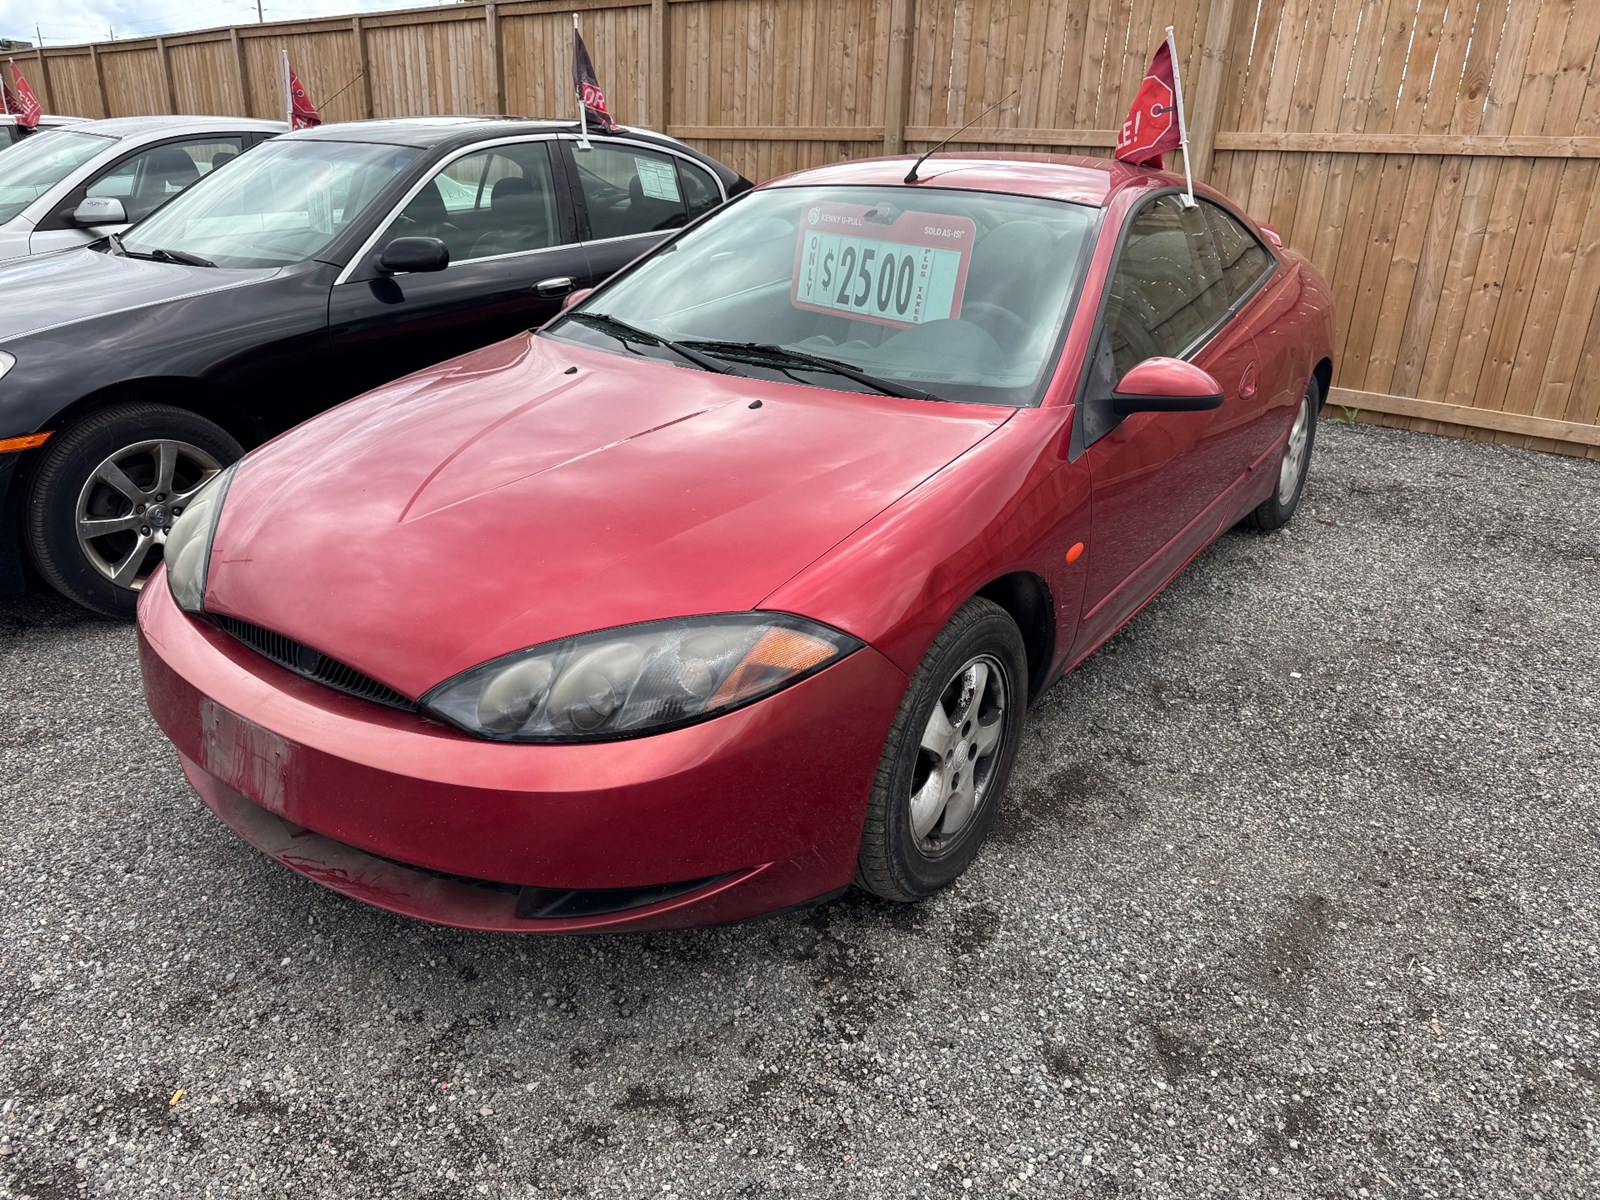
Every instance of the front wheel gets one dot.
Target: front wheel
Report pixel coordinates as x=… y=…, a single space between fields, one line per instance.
x=1274 y=512
x=948 y=757
x=107 y=492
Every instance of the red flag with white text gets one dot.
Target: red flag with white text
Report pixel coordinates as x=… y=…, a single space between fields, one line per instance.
x=21 y=102
x=1154 y=123
x=302 y=113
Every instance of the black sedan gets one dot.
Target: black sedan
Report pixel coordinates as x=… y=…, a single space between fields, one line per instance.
x=320 y=265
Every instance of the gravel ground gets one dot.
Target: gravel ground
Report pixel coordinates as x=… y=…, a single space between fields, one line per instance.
x=1296 y=894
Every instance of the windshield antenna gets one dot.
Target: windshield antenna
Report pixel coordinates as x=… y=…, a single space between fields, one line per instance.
x=911 y=175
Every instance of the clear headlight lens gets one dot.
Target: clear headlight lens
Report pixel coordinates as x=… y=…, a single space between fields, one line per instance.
x=187 y=553
x=638 y=679
x=7 y=361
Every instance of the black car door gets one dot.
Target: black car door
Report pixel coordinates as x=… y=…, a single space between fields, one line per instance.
x=631 y=197
x=514 y=254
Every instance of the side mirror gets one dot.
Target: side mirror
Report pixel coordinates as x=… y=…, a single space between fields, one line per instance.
x=573 y=297
x=1166 y=385
x=410 y=255
x=100 y=210
x=1271 y=234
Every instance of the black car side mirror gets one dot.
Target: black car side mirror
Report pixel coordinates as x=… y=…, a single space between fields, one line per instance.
x=1165 y=385
x=409 y=255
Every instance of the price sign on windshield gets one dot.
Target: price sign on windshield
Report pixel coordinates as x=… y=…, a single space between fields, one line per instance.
x=894 y=269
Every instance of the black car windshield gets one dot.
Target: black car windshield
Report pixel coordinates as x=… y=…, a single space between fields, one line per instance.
x=36 y=164
x=958 y=295
x=281 y=203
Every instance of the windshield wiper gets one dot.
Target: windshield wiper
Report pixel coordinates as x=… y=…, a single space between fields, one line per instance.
x=181 y=256
x=624 y=332
x=833 y=366
x=116 y=243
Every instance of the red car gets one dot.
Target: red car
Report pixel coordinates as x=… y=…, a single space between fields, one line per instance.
x=731 y=586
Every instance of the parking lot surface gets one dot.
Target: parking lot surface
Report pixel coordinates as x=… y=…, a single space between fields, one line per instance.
x=1296 y=893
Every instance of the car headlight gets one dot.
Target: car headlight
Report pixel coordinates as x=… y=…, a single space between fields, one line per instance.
x=187 y=553
x=637 y=679
x=7 y=361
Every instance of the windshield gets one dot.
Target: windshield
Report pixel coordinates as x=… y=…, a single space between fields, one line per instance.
x=954 y=294
x=281 y=203
x=36 y=164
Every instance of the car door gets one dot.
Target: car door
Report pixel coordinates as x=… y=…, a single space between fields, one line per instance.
x=142 y=179
x=514 y=255
x=1160 y=481
x=630 y=197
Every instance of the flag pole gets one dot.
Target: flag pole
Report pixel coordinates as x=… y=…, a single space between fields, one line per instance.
x=288 y=92
x=583 y=109
x=1183 y=125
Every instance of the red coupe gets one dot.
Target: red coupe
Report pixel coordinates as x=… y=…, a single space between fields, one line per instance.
x=731 y=585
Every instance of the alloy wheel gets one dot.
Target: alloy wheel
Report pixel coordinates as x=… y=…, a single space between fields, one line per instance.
x=958 y=753
x=129 y=502
x=1294 y=454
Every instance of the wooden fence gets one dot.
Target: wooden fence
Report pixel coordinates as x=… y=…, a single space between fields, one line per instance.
x=1439 y=159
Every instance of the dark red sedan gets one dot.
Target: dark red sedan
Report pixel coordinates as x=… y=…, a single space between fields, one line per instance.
x=732 y=585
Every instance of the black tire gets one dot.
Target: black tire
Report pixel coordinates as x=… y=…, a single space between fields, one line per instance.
x=1275 y=511
x=893 y=862
x=71 y=458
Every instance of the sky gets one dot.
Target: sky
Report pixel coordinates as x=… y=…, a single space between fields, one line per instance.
x=95 y=20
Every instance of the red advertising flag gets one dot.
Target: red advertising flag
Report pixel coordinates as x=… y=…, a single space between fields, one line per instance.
x=591 y=100
x=302 y=113
x=7 y=100
x=1154 y=124
x=22 y=103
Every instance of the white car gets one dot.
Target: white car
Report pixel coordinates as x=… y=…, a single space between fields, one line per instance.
x=72 y=185
x=11 y=133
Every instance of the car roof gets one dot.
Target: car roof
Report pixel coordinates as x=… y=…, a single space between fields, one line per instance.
x=437 y=131
x=1053 y=176
x=44 y=119
x=123 y=127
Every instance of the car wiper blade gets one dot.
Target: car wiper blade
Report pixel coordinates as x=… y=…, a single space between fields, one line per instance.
x=181 y=256
x=624 y=332
x=116 y=243
x=833 y=366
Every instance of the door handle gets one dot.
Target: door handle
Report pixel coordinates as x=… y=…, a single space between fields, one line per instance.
x=558 y=285
x=1247 y=382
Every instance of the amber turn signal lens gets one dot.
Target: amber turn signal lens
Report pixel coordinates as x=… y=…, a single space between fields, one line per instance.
x=779 y=652
x=26 y=442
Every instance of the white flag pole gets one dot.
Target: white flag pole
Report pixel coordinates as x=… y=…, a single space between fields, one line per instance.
x=583 y=109
x=1183 y=125
x=288 y=92
x=6 y=91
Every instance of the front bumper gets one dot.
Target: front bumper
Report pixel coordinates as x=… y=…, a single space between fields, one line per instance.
x=752 y=812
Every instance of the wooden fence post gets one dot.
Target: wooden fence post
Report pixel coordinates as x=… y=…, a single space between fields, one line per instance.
x=491 y=50
x=100 y=79
x=897 y=75
x=660 y=58
x=166 y=75
x=360 y=35
x=44 y=80
x=239 y=69
x=1215 y=52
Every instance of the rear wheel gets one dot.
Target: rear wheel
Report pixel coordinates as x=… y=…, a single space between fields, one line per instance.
x=1274 y=512
x=108 y=491
x=948 y=757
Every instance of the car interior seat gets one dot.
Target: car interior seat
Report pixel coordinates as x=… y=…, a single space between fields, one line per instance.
x=1003 y=282
x=167 y=171
x=426 y=216
x=521 y=211
x=648 y=213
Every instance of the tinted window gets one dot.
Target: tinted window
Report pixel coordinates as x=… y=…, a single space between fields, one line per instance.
x=497 y=201
x=1168 y=289
x=700 y=191
x=1243 y=259
x=629 y=190
x=147 y=180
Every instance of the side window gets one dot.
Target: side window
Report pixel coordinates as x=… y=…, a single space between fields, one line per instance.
x=1168 y=288
x=630 y=190
x=147 y=180
x=700 y=191
x=491 y=202
x=1243 y=259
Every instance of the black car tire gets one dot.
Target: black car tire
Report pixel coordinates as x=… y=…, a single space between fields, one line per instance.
x=1275 y=511
x=70 y=457
x=891 y=863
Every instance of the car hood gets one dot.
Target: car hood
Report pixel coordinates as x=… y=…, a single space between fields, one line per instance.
x=70 y=286
x=535 y=489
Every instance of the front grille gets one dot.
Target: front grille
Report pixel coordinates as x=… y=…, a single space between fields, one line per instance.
x=303 y=660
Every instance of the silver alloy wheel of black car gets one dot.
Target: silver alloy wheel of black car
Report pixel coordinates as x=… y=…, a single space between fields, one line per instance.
x=957 y=758
x=128 y=504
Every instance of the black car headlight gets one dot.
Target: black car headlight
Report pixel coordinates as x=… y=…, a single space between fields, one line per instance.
x=637 y=679
x=187 y=553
